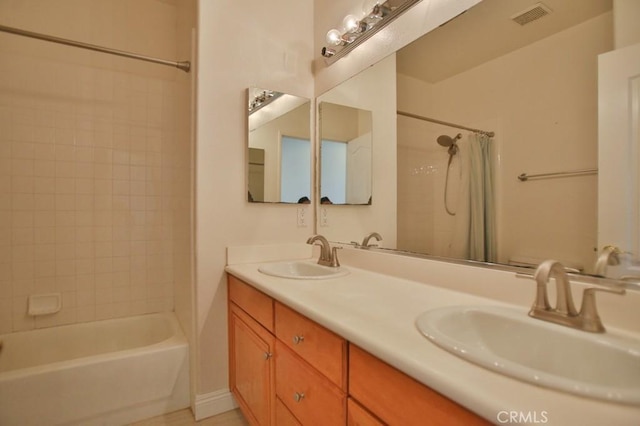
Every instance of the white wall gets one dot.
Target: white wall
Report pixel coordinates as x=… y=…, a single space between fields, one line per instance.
x=242 y=44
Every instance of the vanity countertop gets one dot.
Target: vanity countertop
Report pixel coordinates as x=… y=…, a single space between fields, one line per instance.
x=377 y=312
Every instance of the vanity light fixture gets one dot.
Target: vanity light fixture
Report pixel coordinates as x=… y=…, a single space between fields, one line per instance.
x=355 y=30
x=262 y=99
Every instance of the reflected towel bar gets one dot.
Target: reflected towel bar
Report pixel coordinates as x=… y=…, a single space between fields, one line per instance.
x=184 y=65
x=525 y=177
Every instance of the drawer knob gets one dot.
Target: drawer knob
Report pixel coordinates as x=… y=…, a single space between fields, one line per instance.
x=298 y=339
x=267 y=355
x=298 y=396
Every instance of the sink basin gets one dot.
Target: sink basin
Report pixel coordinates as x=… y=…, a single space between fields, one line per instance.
x=302 y=270
x=508 y=341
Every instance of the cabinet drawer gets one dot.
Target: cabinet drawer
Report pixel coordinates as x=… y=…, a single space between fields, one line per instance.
x=310 y=397
x=357 y=415
x=320 y=347
x=284 y=416
x=252 y=301
x=396 y=398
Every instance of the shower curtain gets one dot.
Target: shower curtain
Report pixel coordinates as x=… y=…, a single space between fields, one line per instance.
x=474 y=235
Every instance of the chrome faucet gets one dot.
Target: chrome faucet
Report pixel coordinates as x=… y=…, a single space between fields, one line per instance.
x=609 y=256
x=328 y=256
x=565 y=313
x=365 y=241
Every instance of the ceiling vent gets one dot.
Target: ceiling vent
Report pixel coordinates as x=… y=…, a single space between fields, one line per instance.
x=531 y=14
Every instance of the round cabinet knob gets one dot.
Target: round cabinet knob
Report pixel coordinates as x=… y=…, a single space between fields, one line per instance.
x=298 y=396
x=267 y=355
x=298 y=339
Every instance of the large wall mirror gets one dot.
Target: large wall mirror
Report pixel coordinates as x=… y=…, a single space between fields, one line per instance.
x=345 y=154
x=529 y=191
x=279 y=147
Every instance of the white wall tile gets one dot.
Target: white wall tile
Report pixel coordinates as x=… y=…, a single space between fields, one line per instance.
x=80 y=172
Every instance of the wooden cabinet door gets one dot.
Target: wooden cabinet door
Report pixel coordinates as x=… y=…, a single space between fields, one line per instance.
x=251 y=368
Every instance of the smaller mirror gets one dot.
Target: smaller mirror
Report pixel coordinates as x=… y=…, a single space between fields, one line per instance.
x=345 y=154
x=279 y=147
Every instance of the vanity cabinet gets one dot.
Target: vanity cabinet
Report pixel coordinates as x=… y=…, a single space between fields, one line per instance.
x=283 y=368
x=288 y=370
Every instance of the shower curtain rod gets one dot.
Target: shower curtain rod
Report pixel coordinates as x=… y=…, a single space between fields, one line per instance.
x=183 y=65
x=457 y=126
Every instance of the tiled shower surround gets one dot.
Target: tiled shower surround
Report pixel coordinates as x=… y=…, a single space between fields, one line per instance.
x=94 y=184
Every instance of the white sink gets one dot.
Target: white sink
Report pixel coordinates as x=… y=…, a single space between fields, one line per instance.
x=508 y=341
x=302 y=270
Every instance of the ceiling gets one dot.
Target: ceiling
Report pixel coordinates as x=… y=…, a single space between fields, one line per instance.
x=485 y=32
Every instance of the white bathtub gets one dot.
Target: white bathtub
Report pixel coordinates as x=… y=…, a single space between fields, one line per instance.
x=100 y=373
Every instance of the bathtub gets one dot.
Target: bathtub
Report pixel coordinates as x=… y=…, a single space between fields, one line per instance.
x=108 y=372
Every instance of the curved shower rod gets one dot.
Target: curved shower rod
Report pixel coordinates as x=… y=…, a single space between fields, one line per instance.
x=457 y=126
x=183 y=65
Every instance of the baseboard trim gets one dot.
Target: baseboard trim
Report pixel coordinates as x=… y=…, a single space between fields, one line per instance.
x=213 y=403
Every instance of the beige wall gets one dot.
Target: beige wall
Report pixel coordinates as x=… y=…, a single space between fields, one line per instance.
x=237 y=51
x=542 y=103
x=94 y=162
x=625 y=22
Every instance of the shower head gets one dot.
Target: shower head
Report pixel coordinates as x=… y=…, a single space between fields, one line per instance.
x=448 y=141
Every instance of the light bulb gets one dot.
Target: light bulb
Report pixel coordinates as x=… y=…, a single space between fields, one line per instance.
x=334 y=37
x=350 y=23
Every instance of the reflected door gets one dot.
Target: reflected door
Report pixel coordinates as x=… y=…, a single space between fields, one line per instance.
x=295 y=173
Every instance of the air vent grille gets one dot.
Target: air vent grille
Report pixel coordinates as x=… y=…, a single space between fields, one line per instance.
x=535 y=12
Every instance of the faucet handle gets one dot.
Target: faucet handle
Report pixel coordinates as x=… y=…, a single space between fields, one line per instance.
x=334 y=257
x=589 y=311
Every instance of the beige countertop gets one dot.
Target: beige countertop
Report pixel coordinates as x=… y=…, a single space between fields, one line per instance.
x=377 y=311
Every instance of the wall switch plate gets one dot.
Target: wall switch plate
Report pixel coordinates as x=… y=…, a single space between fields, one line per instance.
x=302 y=217
x=324 y=219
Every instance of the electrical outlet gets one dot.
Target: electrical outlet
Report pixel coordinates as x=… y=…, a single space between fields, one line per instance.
x=302 y=217
x=324 y=219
